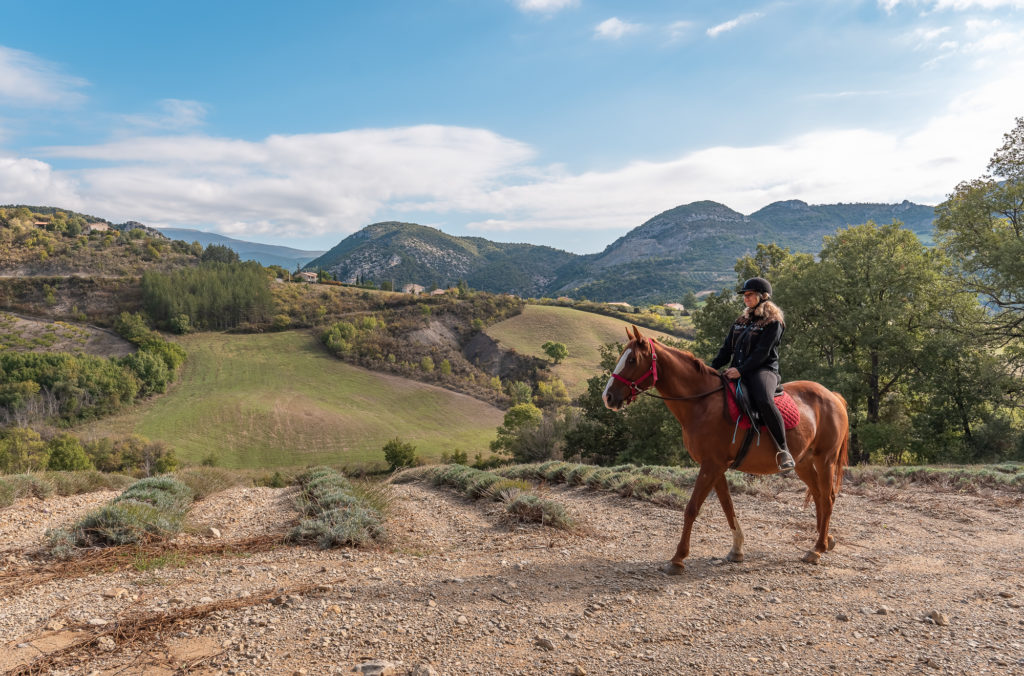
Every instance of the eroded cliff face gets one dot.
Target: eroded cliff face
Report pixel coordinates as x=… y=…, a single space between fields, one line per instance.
x=489 y=357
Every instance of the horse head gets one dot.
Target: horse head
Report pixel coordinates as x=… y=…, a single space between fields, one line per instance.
x=636 y=371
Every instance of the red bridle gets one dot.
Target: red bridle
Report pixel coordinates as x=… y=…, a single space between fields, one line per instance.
x=651 y=373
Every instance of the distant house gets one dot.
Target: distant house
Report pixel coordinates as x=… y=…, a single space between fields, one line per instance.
x=40 y=224
x=413 y=289
x=309 y=277
x=97 y=227
x=679 y=307
x=438 y=292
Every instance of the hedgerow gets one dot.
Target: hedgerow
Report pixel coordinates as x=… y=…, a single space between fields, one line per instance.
x=514 y=492
x=150 y=509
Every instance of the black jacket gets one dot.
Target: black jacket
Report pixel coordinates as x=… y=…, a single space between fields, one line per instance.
x=751 y=346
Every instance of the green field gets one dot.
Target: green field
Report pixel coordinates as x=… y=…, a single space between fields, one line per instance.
x=582 y=332
x=280 y=400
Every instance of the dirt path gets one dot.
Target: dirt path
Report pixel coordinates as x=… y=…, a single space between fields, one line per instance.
x=464 y=590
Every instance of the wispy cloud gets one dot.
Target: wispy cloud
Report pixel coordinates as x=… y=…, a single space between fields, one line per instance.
x=848 y=94
x=679 y=30
x=298 y=185
x=545 y=6
x=615 y=28
x=956 y=5
x=28 y=80
x=172 y=114
x=727 y=26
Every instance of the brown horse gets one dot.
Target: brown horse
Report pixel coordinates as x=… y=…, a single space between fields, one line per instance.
x=693 y=392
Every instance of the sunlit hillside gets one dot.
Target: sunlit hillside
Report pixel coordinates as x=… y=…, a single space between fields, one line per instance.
x=279 y=399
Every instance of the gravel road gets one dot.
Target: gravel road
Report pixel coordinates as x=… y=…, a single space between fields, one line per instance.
x=921 y=581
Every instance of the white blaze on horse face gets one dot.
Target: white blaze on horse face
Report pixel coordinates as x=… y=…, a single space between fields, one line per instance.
x=618 y=368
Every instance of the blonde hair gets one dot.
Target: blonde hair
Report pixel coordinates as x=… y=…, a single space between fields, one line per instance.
x=765 y=311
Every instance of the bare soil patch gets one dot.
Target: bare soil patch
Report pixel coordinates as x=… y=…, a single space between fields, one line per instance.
x=465 y=590
x=24 y=334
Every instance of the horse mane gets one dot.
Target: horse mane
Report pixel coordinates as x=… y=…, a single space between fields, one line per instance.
x=699 y=364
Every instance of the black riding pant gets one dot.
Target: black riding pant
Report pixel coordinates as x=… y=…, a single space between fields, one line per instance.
x=761 y=387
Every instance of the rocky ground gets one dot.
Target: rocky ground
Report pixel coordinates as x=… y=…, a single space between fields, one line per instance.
x=921 y=581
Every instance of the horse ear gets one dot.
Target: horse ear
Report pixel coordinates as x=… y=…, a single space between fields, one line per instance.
x=636 y=332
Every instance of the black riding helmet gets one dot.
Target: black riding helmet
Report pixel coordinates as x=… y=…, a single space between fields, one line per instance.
x=759 y=284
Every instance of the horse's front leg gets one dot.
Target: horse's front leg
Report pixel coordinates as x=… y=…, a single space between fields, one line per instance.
x=706 y=479
x=722 y=491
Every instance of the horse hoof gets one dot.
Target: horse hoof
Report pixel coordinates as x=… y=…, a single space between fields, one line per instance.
x=812 y=557
x=830 y=544
x=733 y=557
x=672 y=569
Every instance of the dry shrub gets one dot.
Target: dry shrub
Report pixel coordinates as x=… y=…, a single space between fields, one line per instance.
x=149 y=509
x=340 y=513
x=529 y=507
x=205 y=481
x=87 y=481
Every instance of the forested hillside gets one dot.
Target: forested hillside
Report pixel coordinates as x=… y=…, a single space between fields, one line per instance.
x=47 y=241
x=683 y=250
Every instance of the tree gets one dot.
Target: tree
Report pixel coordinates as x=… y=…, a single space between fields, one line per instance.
x=551 y=394
x=863 y=320
x=981 y=228
x=557 y=351
x=519 y=392
x=22 y=450
x=398 y=454
x=220 y=254
x=67 y=454
x=516 y=417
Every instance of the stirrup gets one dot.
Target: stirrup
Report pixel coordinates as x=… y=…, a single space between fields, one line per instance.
x=785 y=461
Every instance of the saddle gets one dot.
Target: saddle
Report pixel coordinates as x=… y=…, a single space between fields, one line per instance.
x=741 y=412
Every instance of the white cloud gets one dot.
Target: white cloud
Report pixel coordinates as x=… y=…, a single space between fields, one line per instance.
x=545 y=6
x=28 y=181
x=956 y=5
x=715 y=31
x=615 y=28
x=297 y=185
x=333 y=184
x=28 y=80
x=173 y=114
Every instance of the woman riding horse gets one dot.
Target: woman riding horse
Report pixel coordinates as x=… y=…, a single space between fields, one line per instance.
x=752 y=346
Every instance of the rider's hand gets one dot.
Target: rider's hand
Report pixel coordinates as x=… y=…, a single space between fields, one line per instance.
x=732 y=373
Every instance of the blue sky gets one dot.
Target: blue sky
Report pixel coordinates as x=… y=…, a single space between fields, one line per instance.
x=560 y=122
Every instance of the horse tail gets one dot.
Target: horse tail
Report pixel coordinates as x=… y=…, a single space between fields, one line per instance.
x=841 y=462
x=844 y=453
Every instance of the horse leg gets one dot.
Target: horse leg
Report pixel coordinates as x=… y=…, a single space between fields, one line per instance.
x=810 y=476
x=722 y=491
x=826 y=489
x=705 y=481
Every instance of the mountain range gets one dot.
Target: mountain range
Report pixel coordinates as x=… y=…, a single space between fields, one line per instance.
x=691 y=247
x=264 y=254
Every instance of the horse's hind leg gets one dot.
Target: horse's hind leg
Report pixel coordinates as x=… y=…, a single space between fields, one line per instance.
x=810 y=475
x=722 y=491
x=826 y=490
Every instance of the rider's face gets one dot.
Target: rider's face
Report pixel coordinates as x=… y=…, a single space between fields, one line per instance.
x=751 y=298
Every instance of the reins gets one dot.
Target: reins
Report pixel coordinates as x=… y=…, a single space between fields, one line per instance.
x=652 y=373
x=692 y=396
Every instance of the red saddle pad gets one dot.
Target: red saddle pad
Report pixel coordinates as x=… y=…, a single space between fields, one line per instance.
x=784 y=402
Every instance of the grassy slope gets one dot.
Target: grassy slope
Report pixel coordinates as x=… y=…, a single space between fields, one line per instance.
x=278 y=400
x=582 y=332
